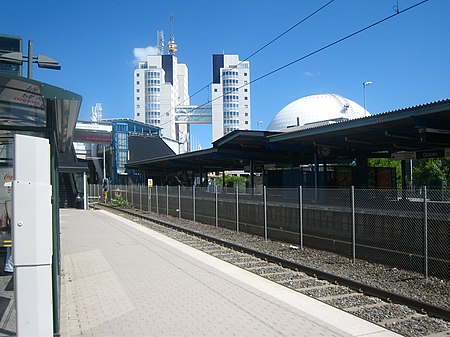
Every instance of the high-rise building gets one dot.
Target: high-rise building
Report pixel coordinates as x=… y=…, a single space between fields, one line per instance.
x=230 y=95
x=161 y=95
x=160 y=85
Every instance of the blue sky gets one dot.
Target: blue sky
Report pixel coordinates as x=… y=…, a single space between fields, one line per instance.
x=407 y=58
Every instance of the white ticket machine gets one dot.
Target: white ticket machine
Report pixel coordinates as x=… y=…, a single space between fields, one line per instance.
x=32 y=236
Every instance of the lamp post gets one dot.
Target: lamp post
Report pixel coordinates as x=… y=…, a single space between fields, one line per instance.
x=365 y=84
x=41 y=60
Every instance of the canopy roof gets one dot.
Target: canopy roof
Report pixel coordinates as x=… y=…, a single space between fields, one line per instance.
x=416 y=129
x=27 y=105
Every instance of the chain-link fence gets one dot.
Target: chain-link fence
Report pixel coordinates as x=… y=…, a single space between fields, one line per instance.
x=408 y=229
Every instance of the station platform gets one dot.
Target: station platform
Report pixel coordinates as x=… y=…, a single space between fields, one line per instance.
x=122 y=279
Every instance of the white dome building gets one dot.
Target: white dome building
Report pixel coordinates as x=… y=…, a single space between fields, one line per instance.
x=316 y=110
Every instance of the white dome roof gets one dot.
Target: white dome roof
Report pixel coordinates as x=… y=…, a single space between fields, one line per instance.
x=316 y=108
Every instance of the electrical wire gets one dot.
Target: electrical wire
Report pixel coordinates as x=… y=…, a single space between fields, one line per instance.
x=256 y=52
x=320 y=49
x=267 y=44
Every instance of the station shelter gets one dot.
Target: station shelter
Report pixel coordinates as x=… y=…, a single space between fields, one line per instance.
x=33 y=108
x=332 y=155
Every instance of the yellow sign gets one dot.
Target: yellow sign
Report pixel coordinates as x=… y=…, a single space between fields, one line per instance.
x=150 y=183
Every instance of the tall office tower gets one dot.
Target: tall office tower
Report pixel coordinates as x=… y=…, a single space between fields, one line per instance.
x=160 y=84
x=230 y=95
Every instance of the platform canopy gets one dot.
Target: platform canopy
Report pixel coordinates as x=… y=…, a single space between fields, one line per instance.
x=31 y=106
x=414 y=132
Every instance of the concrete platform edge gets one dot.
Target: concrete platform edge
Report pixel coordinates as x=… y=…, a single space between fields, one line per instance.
x=340 y=319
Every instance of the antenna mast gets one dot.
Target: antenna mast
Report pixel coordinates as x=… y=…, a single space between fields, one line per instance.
x=96 y=112
x=160 y=42
x=171 y=46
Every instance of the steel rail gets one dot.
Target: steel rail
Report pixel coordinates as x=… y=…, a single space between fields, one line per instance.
x=422 y=307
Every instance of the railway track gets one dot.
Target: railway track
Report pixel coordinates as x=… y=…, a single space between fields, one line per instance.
x=396 y=312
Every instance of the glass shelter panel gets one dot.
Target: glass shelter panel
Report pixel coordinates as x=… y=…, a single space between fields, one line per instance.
x=21 y=103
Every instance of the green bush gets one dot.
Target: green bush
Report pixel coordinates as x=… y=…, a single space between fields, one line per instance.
x=119 y=201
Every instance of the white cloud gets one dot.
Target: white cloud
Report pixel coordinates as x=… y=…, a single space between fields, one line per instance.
x=141 y=53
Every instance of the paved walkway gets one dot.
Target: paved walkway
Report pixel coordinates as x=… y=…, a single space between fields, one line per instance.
x=122 y=279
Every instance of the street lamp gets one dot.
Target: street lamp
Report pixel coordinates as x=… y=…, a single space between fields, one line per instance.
x=365 y=84
x=41 y=60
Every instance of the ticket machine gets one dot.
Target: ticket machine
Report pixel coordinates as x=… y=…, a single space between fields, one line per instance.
x=32 y=236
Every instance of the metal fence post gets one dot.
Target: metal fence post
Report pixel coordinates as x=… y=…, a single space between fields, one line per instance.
x=140 y=197
x=132 y=194
x=237 y=208
x=353 y=226
x=193 y=201
x=167 y=199
x=126 y=192
x=179 y=201
x=425 y=231
x=300 y=215
x=265 y=212
x=157 y=201
x=217 y=206
x=150 y=199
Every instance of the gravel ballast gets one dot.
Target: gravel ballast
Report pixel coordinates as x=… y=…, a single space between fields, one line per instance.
x=429 y=290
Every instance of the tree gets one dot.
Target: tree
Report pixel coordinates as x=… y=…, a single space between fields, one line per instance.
x=232 y=181
x=430 y=172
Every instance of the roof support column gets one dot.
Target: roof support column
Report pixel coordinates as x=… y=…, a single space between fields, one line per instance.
x=291 y=172
x=316 y=171
x=200 y=170
x=362 y=172
x=252 y=178
x=404 y=177
x=193 y=177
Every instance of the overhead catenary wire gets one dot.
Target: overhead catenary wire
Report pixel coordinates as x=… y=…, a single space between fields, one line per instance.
x=318 y=50
x=256 y=52
x=269 y=43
